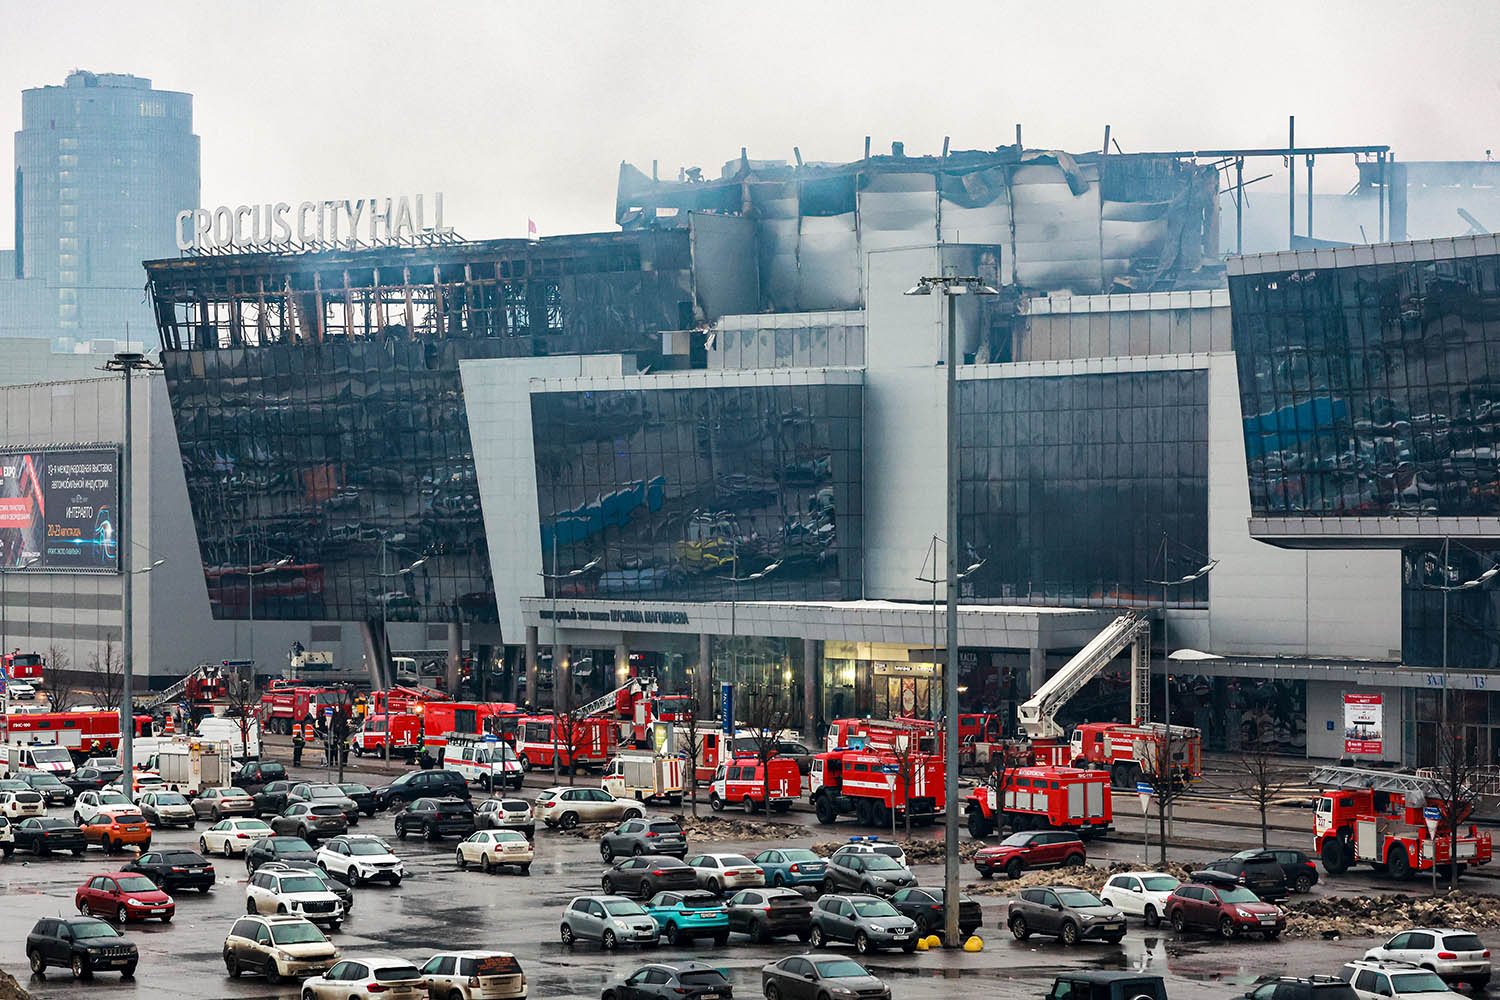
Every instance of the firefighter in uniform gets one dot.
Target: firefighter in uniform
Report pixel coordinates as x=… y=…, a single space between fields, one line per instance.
x=298 y=739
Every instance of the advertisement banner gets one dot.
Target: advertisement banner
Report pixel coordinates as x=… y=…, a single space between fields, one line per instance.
x=1364 y=723
x=58 y=509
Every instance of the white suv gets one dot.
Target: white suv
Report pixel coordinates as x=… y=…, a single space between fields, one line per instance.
x=1140 y=894
x=361 y=858
x=567 y=807
x=91 y=803
x=1456 y=955
x=293 y=892
x=1395 y=981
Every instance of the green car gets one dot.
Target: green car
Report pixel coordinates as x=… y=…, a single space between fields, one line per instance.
x=686 y=914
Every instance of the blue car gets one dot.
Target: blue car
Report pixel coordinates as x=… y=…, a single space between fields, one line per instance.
x=686 y=914
x=792 y=867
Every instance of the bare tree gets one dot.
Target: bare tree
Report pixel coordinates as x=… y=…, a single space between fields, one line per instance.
x=1457 y=773
x=1162 y=772
x=768 y=715
x=907 y=751
x=240 y=704
x=690 y=741
x=1262 y=779
x=1011 y=756
x=59 y=691
x=106 y=675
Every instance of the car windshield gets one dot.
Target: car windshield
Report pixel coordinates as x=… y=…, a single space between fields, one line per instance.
x=881 y=863
x=43 y=779
x=622 y=908
x=839 y=968
x=113 y=799
x=1077 y=897
x=800 y=855
x=367 y=847
x=93 y=929
x=1160 y=883
x=1016 y=840
x=300 y=933
x=136 y=883
x=170 y=799
x=302 y=883
x=874 y=908
x=1418 y=982
x=1462 y=942
x=1238 y=895
x=51 y=755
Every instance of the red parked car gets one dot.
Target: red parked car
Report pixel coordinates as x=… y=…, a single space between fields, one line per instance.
x=1228 y=909
x=123 y=896
x=1031 y=849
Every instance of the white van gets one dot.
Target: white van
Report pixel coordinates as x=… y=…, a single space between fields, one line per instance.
x=48 y=757
x=242 y=746
x=490 y=764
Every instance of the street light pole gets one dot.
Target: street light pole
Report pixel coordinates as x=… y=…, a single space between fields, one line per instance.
x=554 y=578
x=951 y=287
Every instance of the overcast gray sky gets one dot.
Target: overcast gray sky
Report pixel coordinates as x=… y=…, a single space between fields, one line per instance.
x=526 y=109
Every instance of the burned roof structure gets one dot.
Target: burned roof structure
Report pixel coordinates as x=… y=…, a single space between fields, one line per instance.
x=1082 y=223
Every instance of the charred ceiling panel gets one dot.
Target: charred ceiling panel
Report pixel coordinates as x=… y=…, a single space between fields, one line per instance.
x=897 y=210
x=975 y=208
x=1057 y=229
x=726 y=271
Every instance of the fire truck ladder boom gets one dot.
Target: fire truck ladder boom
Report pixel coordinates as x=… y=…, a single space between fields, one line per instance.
x=175 y=691
x=1038 y=715
x=1375 y=781
x=635 y=685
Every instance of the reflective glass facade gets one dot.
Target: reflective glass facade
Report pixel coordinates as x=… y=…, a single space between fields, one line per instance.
x=1473 y=615
x=351 y=461
x=1371 y=389
x=667 y=487
x=1069 y=484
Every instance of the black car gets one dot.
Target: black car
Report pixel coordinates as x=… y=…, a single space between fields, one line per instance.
x=254 y=775
x=1302 y=988
x=647 y=875
x=91 y=779
x=1261 y=874
x=42 y=835
x=809 y=977
x=925 y=907
x=271 y=800
x=53 y=790
x=84 y=944
x=363 y=796
x=668 y=982
x=767 y=913
x=1107 y=985
x=415 y=785
x=175 y=869
x=1300 y=871
x=278 y=849
x=436 y=819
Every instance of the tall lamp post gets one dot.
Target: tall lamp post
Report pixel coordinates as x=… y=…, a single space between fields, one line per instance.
x=934 y=579
x=385 y=602
x=127 y=362
x=250 y=574
x=952 y=287
x=554 y=578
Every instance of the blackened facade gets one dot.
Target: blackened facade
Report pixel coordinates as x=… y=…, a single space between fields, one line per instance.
x=1069 y=486
x=321 y=418
x=671 y=489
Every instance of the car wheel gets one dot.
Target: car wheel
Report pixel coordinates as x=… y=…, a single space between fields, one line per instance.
x=1303 y=883
x=671 y=934
x=309 y=995
x=1179 y=923
x=1013 y=868
x=779 y=880
x=637 y=851
x=1272 y=935
x=81 y=968
x=460 y=860
x=1153 y=919
x=1018 y=927
x=608 y=941
x=38 y=963
x=202 y=846
x=760 y=933
x=568 y=820
x=250 y=906
x=816 y=937
x=121 y=914
x=484 y=863
x=1115 y=938
x=1227 y=929
x=608 y=885
x=128 y=972
x=232 y=965
x=215 y=814
x=607 y=853
x=432 y=834
x=1074 y=860
x=716 y=802
x=567 y=934
x=400 y=831
x=1069 y=933
x=773 y=992
x=922 y=928
x=862 y=943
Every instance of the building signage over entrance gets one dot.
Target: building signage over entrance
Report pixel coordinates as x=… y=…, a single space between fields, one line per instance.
x=1363 y=724
x=363 y=220
x=639 y=616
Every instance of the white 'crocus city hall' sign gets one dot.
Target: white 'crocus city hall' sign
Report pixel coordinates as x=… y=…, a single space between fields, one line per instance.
x=366 y=220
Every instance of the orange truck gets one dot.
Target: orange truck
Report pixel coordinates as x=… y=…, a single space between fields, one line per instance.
x=1121 y=749
x=744 y=782
x=388 y=734
x=1040 y=798
x=1396 y=823
x=869 y=784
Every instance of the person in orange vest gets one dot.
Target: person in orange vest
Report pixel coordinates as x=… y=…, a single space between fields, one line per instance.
x=299 y=737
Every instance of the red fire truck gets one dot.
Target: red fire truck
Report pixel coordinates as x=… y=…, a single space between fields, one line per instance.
x=401 y=698
x=85 y=734
x=868 y=784
x=1380 y=818
x=286 y=703
x=1122 y=750
x=387 y=735
x=540 y=737
x=473 y=718
x=23 y=666
x=742 y=781
x=1039 y=798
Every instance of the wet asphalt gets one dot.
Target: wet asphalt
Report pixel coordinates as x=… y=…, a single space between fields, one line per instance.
x=438 y=907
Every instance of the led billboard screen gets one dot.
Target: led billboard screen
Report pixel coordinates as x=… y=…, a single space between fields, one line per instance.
x=58 y=510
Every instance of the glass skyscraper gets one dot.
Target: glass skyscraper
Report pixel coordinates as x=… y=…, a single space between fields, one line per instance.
x=103 y=165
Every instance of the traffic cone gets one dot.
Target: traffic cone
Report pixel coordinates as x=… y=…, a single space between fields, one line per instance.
x=170 y=727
